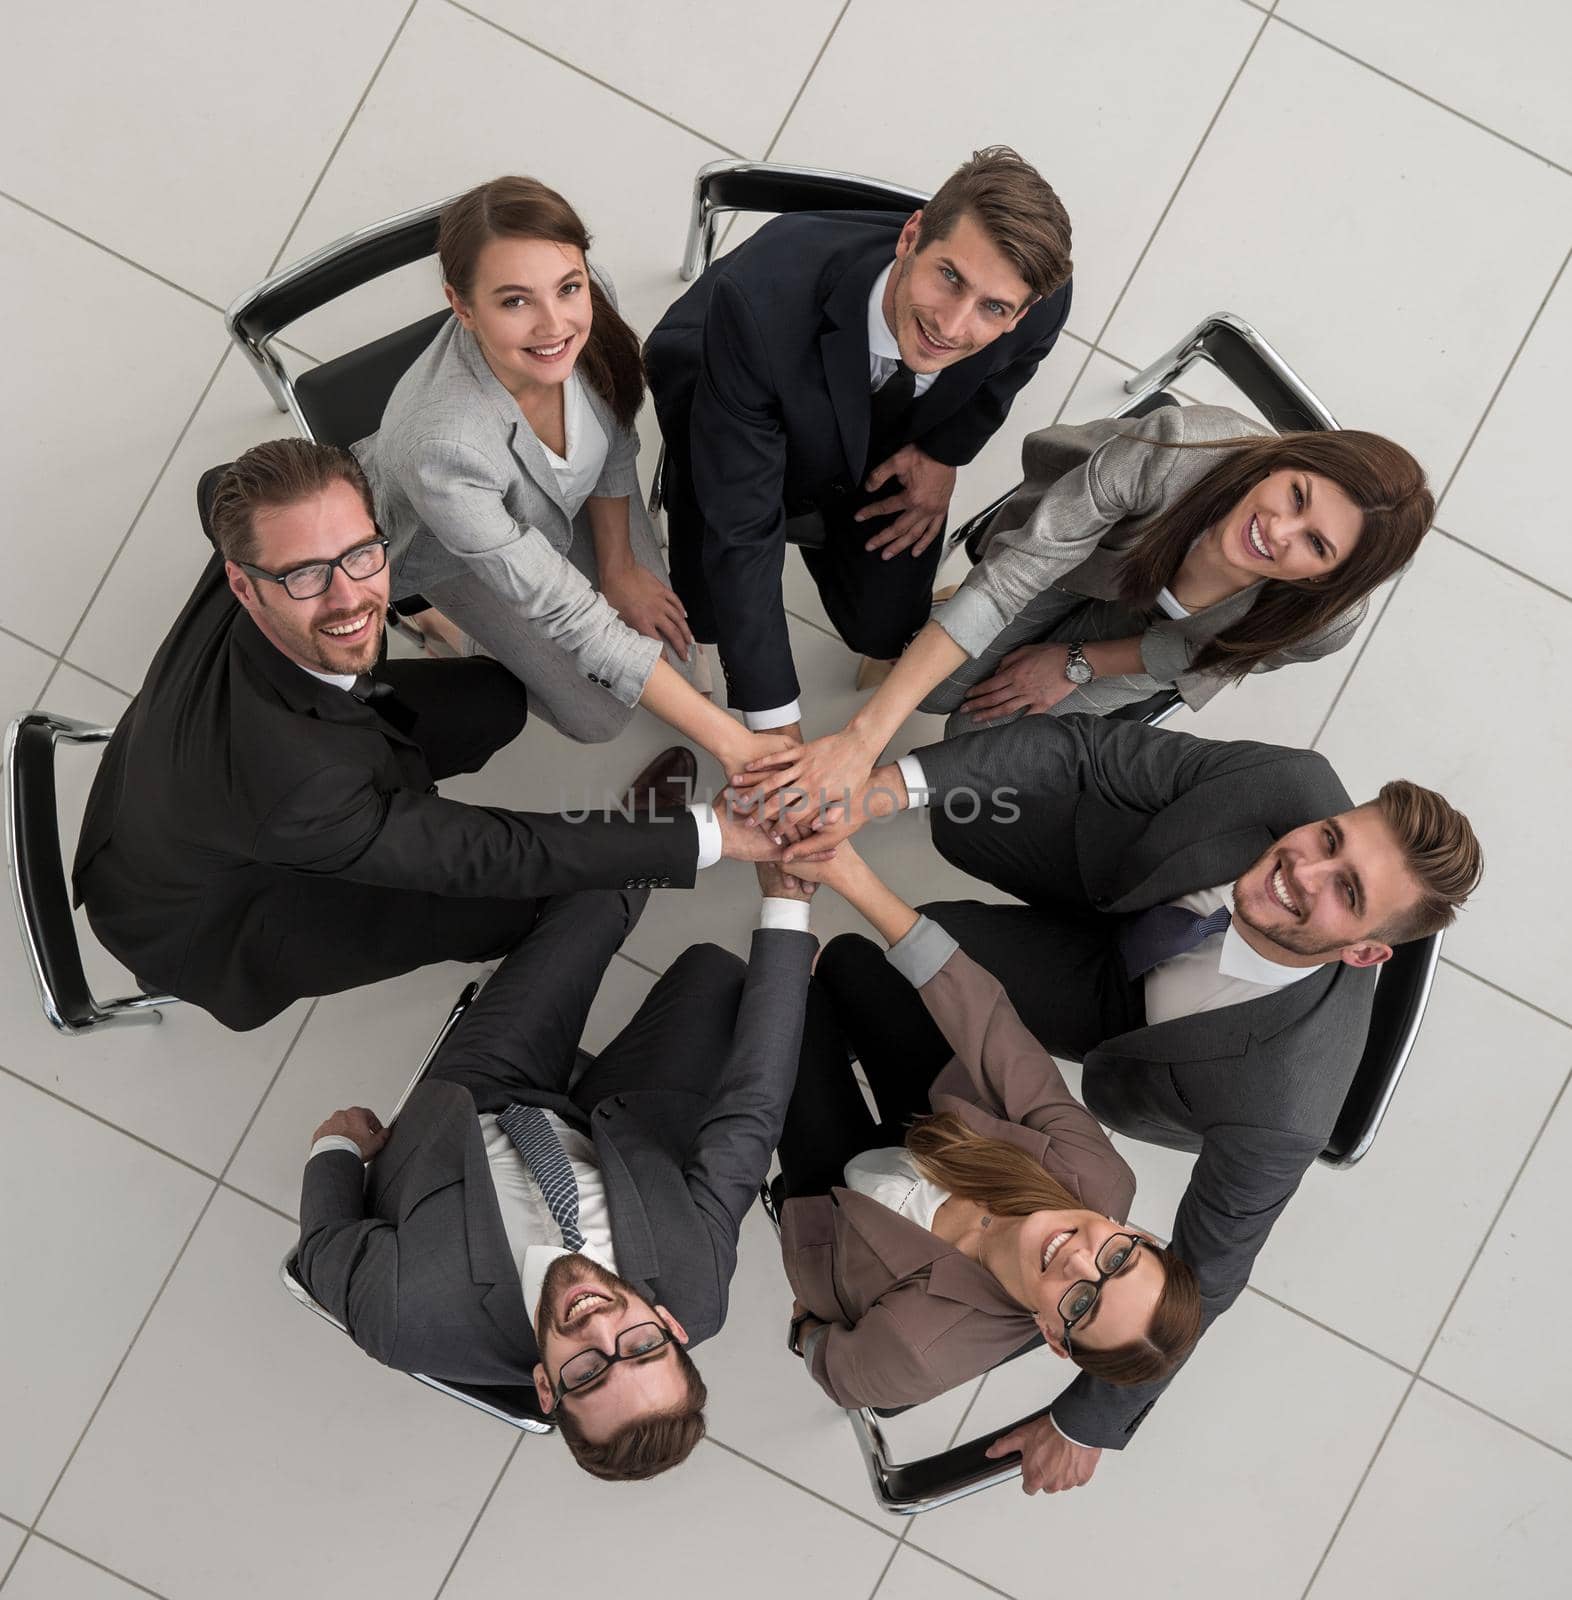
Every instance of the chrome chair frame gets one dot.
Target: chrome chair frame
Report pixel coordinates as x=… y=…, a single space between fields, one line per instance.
x=94 y=1013
x=287 y=1269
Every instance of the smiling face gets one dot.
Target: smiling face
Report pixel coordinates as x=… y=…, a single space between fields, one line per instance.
x=1321 y=892
x=1292 y=525
x=1040 y=1256
x=952 y=297
x=529 y=309
x=340 y=630
x=584 y=1307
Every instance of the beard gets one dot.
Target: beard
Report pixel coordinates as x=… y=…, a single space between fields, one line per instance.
x=1290 y=937
x=574 y=1271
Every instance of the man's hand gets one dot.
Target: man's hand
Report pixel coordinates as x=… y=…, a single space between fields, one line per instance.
x=882 y=796
x=795 y=785
x=923 y=500
x=739 y=841
x=834 y=871
x=775 y=883
x=357 y=1123
x=1030 y=679
x=1049 y=1461
x=649 y=607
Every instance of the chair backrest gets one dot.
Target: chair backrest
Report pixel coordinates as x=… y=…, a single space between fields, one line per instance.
x=342 y=400
x=1402 y=990
x=38 y=880
x=723 y=187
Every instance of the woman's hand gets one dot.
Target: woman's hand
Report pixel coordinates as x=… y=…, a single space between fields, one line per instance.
x=799 y=784
x=648 y=606
x=739 y=749
x=1030 y=679
x=834 y=871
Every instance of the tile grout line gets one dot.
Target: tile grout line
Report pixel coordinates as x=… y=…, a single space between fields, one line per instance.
x=103 y=1121
x=802 y=1488
x=1359 y=655
x=141 y=510
x=490 y=1496
x=109 y=250
x=884 y=1571
x=1189 y=166
x=802 y=89
x=1440 y=1327
x=1485 y=1411
x=43 y=1538
x=1549 y=1016
x=338 y=143
x=611 y=88
x=1386 y=1433
x=1517 y=572
x=1440 y=105
x=1495 y=394
x=256 y=1110
x=982 y=1583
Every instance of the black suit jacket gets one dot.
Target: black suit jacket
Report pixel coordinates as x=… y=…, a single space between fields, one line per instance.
x=254 y=835
x=1124 y=817
x=760 y=379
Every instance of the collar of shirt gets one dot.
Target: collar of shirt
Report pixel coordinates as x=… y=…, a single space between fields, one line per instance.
x=339 y=680
x=1237 y=959
x=884 y=353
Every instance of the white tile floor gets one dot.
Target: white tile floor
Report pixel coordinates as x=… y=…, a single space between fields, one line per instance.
x=1386 y=191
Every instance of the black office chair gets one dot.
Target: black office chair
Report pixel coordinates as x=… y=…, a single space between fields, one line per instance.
x=515 y=1404
x=38 y=880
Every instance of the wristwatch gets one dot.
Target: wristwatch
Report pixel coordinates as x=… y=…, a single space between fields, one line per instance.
x=794 y=1334
x=1076 y=667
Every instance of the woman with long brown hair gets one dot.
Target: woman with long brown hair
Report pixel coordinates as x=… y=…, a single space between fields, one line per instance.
x=505 y=475
x=1188 y=549
x=981 y=1210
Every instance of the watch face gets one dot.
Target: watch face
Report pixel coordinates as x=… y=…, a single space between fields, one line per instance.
x=1079 y=671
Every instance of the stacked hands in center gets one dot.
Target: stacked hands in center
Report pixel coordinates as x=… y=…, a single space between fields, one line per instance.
x=1198 y=923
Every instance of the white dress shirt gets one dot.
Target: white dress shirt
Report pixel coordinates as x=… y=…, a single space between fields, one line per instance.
x=884 y=355
x=534 y=1238
x=579 y=470
x=891 y=1177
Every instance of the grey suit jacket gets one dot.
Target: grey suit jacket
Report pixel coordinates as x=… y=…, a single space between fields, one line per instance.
x=463 y=485
x=412 y=1257
x=1253 y=1089
x=1088 y=490
x=907 y=1315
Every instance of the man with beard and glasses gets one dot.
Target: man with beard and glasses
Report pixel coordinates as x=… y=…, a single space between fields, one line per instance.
x=1201 y=929
x=523 y=1222
x=265 y=823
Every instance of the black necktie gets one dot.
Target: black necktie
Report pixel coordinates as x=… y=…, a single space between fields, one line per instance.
x=383 y=699
x=1163 y=932
x=888 y=407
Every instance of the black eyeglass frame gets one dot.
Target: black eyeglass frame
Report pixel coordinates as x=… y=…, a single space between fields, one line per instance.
x=1102 y=1277
x=328 y=566
x=560 y=1391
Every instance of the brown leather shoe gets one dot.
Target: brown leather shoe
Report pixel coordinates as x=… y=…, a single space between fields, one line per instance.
x=667 y=782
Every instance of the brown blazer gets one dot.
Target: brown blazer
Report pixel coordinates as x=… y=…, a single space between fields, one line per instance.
x=908 y=1315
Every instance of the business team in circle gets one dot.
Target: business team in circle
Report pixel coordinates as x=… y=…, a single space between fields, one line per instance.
x=1199 y=923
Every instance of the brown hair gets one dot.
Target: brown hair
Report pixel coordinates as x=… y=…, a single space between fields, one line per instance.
x=1380 y=477
x=281 y=472
x=647 y=1446
x=1011 y=1184
x=1439 y=848
x=524 y=208
x=1014 y=206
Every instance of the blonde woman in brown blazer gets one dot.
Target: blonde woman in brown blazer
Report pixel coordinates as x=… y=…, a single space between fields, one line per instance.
x=922 y=1256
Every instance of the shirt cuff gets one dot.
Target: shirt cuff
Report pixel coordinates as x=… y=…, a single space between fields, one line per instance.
x=776 y=717
x=921 y=951
x=708 y=824
x=335 y=1141
x=918 y=794
x=778 y=912
x=1063 y=1435
x=970 y=618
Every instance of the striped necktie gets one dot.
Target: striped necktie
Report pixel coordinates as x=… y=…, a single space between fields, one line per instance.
x=542 y=1153
x=1163 y=932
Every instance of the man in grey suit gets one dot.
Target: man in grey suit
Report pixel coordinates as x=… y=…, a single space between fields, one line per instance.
x=1202 y=928
x=520 y=1224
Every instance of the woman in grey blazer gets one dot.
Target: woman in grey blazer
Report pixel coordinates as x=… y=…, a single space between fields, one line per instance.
x=1187 y=548
x=505 y=475
x=921 y=1255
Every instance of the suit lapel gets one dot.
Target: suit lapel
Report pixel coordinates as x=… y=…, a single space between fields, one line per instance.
x=843 y=347
x=491 y=1263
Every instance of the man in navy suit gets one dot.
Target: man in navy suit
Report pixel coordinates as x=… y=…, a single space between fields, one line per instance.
x=821 y=384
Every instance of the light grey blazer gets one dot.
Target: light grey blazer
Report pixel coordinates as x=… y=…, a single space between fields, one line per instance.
x=464 y=490
x=1087 y=490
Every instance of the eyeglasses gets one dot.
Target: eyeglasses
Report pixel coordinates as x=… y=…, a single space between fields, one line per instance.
x=360 y=561
x=642 y=1339
x=1076 y=1303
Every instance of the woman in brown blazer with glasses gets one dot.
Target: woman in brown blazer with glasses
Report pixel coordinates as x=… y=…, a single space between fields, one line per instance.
x=923 y=1252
